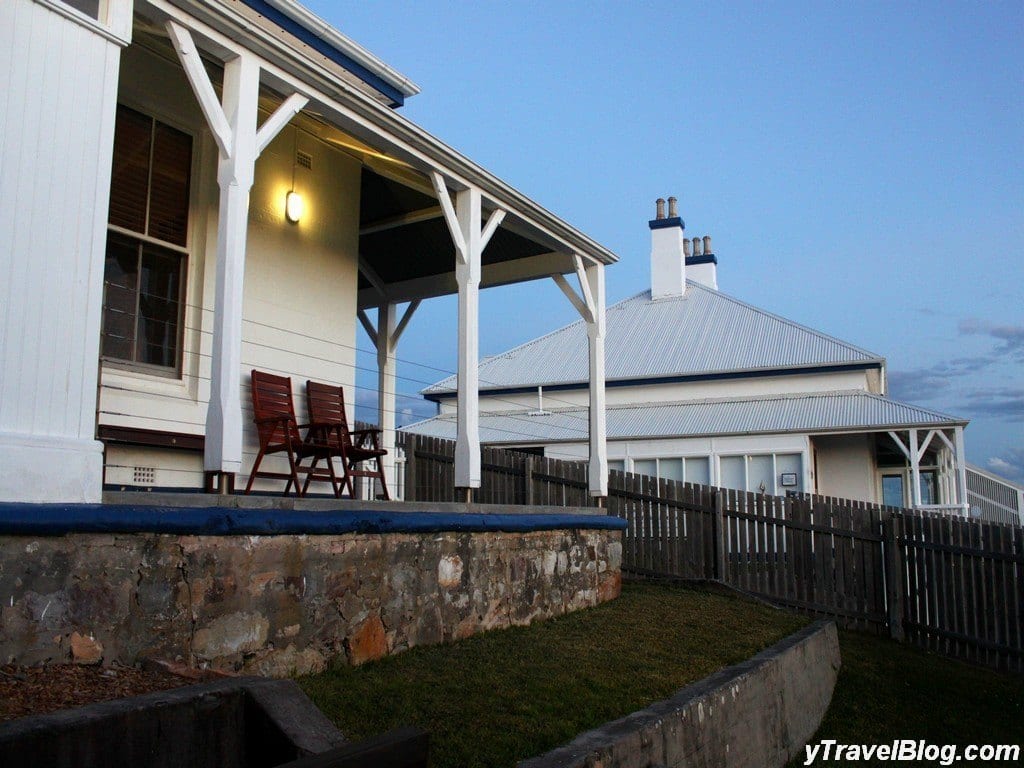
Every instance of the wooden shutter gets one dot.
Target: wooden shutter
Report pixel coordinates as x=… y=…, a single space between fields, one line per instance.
x=168 y=194
x=130 y=174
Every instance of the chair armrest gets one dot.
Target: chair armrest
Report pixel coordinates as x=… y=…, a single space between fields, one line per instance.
x=366 y=438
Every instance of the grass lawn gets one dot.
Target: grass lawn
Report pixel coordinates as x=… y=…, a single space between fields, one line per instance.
x=510 y=694
x=888 y=691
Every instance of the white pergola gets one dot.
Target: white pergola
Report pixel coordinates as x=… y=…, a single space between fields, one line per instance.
x=464 y=194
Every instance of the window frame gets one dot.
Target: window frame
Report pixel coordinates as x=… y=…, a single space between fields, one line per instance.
x=184 y=251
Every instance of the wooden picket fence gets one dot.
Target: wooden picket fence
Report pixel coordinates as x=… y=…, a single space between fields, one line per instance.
x=507 y=477
x=949 y=584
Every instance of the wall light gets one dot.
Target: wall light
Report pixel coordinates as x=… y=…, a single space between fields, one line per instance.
x=293 y=207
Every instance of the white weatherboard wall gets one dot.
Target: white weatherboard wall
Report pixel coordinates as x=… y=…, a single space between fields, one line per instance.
x=669 y=393
x=58 y=92
x=299 y=305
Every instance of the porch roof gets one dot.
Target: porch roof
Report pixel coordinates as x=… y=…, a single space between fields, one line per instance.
x=813 y=412
x=406 y=251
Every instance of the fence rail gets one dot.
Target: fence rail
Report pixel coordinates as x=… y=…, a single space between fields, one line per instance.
x=942 y=582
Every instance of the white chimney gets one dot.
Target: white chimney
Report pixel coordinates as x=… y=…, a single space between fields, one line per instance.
x=702 y=266
x=668 y=260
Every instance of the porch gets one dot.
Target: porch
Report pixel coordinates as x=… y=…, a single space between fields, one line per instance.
x=265 y=203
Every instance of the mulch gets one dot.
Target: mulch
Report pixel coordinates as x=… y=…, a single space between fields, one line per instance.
x=37 y=690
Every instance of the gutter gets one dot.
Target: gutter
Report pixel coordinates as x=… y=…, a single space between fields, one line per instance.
x=810 y=432
x=345 y=45
x=437 y=395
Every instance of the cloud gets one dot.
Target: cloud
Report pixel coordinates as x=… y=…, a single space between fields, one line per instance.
x=1010 y=465
x=928 y=383
x=1010 y=337
x=1004 y=402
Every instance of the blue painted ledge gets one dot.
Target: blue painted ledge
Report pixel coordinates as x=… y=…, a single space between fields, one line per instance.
x=58 y=519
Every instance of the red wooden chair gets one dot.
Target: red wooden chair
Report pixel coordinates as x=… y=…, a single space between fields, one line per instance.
x=274 y=414
x=327 y=416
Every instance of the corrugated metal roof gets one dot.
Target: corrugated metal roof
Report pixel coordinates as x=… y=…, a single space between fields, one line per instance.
x=811 y=412
x=702 y=332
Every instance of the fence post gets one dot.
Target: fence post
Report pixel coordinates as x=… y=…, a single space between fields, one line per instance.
x=528 y=479
x=718 y=528
x=411 y=443
x=892 y=532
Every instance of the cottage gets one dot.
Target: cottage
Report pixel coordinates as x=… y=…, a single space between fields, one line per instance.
x=705 y=388
x=198 y=188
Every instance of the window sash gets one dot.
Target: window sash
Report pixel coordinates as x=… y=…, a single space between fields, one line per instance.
x=145 y=271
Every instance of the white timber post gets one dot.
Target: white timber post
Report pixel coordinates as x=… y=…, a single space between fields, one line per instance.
x=467 y=275
x=598 y=473
x=463 y=219
x=591 y=308
x=233 y=122
x=386 y=381
x=961 y=470
x=915 y=471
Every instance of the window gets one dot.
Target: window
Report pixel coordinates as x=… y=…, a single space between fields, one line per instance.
x=147 y=232
x=896 y=488
x=692 y=469
x=762 y=473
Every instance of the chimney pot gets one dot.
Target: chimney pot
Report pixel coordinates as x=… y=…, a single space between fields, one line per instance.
x=696 y=246
x=686 y=247
x=707 y=245
x=660 y=203
x=673 y=211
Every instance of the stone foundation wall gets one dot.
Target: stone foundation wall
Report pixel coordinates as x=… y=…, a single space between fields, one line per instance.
x=278 y=605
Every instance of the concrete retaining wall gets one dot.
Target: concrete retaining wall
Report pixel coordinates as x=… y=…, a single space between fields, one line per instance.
x=283 y=604
x=757 y=714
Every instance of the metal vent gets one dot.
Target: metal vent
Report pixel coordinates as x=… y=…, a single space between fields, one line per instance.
x=145 y=475
x=304 y=160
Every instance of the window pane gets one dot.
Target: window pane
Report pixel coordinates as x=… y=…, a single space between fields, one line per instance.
x=760 y=476
x=732 y=472
x=928 y=488
x=168 y=196
x=130 y=172
x=90 y=8
x=159 y=292
x=698 y=470
x=120 y=278
x=670 y=469
x=645 y=467
x=789 y=464
x=892 y=490
x=617 y=465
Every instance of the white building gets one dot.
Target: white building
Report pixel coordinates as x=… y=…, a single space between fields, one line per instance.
x=149 y=149
x=706 y=388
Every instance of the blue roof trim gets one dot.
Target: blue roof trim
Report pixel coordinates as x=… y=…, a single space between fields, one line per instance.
x=322 y=46
x=673 y=221
x=59 y=519
x=708 y=258
x=723 y=376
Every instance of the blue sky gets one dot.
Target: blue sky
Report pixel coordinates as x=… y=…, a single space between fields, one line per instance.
x=859 y=166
